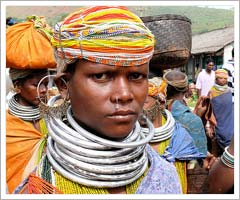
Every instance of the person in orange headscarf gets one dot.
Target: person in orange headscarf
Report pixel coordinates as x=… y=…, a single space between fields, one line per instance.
x=29 y=54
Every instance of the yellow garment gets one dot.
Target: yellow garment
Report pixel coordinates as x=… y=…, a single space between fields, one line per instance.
x=24 y=146
x=70 y=187
x=214 y=92
x=181 y=166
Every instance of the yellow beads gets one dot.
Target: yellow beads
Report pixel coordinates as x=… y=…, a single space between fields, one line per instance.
x=69 y=187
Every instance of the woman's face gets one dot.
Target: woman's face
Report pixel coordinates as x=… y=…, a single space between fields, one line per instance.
x=150 y=101
x=221 y=81
x=96 y=89
x=28 y=91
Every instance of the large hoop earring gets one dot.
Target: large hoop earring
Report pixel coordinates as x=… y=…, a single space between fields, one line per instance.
x=55 y=111
x=152 y=112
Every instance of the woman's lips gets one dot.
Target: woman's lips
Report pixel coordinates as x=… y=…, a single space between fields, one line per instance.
x=123 y=115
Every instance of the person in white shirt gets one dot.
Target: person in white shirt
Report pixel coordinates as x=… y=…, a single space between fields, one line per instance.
x=205 y=79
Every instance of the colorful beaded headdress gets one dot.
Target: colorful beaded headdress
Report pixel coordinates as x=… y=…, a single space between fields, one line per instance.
x=109 y=35
x=156 y=86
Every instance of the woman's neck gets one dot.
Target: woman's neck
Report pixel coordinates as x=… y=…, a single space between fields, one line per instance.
x=22 y=101
x=178 y=97
x=158 y=120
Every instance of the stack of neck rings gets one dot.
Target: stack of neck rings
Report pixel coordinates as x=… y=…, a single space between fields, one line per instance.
x=94 y=161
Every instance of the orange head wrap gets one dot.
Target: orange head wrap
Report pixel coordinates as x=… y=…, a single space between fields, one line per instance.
x=156 y=86
x=28 y=45
x=221 y=73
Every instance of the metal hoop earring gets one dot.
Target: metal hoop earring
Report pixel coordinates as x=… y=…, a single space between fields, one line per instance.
x=152 y=112
x=57 y=111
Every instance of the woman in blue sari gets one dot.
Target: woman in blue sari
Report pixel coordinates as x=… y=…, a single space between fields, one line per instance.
x=221 y=100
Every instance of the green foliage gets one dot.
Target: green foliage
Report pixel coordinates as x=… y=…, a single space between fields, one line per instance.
x=203 y=19
x=53 y=20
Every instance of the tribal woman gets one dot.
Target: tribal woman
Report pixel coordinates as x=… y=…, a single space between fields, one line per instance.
x=99 y=146
x=29 y=54
x=170 y=140
x=221 y=100
x=176 y=89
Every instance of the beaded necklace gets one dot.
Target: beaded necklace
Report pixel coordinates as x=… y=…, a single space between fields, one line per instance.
x=70 y=187
x=216 y=90
x=153 y=111
x=220 y=87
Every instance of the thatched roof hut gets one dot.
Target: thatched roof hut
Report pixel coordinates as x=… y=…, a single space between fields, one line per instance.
x=213 y=41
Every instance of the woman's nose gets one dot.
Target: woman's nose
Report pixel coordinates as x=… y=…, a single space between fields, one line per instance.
x=123 y=92
x=43 y=88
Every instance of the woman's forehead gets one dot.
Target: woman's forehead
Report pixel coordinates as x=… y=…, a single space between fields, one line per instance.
x=37 y=77
x=95 y=67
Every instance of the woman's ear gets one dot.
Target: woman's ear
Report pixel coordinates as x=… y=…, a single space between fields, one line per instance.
x=61 y=81
x=17 y=87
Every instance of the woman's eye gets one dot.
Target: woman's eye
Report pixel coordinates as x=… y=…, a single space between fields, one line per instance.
x=136 y=76
x=35 y=84
x=102 y=76
x=42 y=83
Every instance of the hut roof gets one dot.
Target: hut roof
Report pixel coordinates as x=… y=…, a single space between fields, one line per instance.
x=212 y=41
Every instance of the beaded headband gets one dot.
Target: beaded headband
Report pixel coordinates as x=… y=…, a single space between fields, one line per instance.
x=109 y=35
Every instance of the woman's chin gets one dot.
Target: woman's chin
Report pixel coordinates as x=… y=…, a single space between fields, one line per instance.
x=117 y=135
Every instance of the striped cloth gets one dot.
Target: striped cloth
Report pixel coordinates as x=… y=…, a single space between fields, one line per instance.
x=109 y=35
